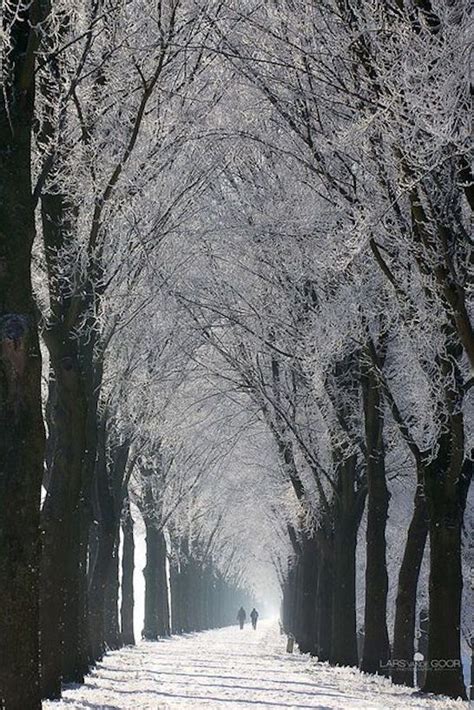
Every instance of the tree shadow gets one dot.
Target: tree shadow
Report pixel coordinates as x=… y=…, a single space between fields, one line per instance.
x=243 y=701
x=220 y=685
x=161 y=672
x=80 y=704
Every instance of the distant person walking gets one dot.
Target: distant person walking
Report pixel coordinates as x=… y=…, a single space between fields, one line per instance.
x=241 y=616
x=254 y=618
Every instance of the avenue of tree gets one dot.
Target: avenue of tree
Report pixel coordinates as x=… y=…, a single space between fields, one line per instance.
x=236 y=278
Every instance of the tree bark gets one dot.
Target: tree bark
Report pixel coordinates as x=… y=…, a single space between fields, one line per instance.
x=307 y=588
x=185 y=605
x=96 y=595
x=175 y=584
x=444 y=673
x=79 y=628
x=57 y=515
x=446 y=483
x=445 y=509
x=108 y=534
x=74 y=662
x=288 y=603
x=471 y=693
x=376 y=651
x=405 y=606
x=343 y=629
x=151 y=626
x=324 y=597
x=165 y=629
x=128 y=565
x=112 y=635
x=348 y=508
x=21 y=425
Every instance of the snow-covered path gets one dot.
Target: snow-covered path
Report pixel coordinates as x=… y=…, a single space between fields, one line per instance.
x=230 y=669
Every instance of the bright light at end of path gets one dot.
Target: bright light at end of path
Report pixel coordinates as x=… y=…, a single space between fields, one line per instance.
x=272 y=613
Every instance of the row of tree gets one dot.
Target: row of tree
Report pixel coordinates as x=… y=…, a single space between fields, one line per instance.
x=340 y=297
x=233 y=222
x=89 y=108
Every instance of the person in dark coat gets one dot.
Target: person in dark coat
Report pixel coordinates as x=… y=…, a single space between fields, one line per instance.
x=254 y=618
x=241 y=616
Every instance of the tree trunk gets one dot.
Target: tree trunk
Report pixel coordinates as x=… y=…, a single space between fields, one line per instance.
x=77 y=645
x=347 y=514
x=112 y=636
x=107 y=539
x=343 y=635
x=74 y=660
x=96 y=598
x=187 y=601
x=471 y=693
x=446 y=480
x=308 y=567
x=288 y=603
x=183 y=606
x=203 y=599
x=77 y=383
x=128 y=565
x=324 y=598
x=298 y=596
x=57 y=517
x=108 y=503
x=423 y=627
x=376 y=644
x=405 y=606
x=197 y=582
x=151 y=626
x=444 y=674
x=175 y=599
x=165 y=629
x=21 y=425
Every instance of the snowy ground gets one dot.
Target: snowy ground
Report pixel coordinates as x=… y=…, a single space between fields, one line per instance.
x=233 y=670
